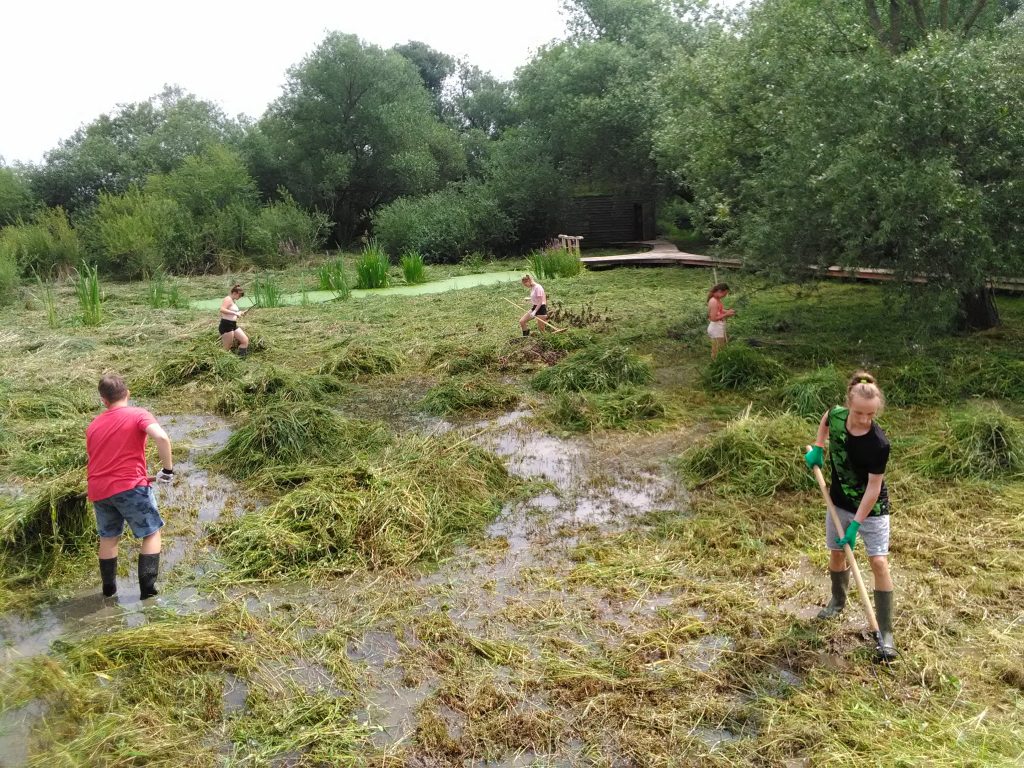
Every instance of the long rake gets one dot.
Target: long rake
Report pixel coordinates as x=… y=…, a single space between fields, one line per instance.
x=554 y=328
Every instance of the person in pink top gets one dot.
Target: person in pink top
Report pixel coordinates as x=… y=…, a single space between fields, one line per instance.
x=119 y=483
x=539 y=310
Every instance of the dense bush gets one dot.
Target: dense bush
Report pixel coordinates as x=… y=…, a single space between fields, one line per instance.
x=283 y=228
x=135 y=234
x=445 y=225
x=45 y=245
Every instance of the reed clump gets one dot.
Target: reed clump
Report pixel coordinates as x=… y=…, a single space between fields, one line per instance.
x=414 y=500
x=622 y=408
x=753 y=455
x=468 y=394
x=594 y=369
x=372 y=267
x=741 y=367
x=980 y=441
x=351 y=359
x=811 y=394
x=284 y=434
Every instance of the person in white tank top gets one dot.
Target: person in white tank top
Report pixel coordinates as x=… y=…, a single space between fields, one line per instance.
x=538 y=309
x=229 y=330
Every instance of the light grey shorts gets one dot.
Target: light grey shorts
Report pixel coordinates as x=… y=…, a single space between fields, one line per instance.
x=874 y=532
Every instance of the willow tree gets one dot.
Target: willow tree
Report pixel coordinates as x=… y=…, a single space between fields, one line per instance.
x=831 y=132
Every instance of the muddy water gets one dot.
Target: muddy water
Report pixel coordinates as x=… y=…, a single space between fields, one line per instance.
x=587 y=488
x=187 y=506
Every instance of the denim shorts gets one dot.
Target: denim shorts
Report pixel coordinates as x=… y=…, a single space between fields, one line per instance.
x=136 y=505
x=874 y=532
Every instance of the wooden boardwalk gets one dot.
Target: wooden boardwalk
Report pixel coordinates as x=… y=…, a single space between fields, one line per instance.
x=664 y=253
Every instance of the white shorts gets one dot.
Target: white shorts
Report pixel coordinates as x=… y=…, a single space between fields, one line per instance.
x=716 y=329
x=874 y=532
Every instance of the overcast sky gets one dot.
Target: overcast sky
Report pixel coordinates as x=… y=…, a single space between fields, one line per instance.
x=65 y=62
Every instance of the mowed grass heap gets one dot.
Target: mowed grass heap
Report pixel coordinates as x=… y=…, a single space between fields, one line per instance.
x=677 y=637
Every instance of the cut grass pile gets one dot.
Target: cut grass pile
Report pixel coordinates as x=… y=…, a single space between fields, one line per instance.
x=469 y=394
x=412 y=501
x=811 y=394
x=980 y=442
x=621 y=408
x=201 y=358
x=282 y=435
x=454 y=358
x=37 y=529
x=594 y=369
x=740 y=367
x=350 y=359
x=941 y=378
x=753 y=455
x=266 y=385
x=155 y=695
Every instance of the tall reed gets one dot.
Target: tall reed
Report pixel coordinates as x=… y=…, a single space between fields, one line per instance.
x=372 y=267
x=48 y=298
x=331 y=277
x=266 y=292
x=413 y=268
x=90 y=297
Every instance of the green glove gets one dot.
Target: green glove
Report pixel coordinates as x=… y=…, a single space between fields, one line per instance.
x=851 y=535
x=815 y=458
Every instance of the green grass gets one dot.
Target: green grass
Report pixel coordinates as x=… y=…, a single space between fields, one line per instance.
x=740 y=367
x=413 y=268
x=574 y=630
x=469 y=394
x=90 y=295
x=331 y=277
x=554 y=262
x=623 y=408
x=595 y=369
x=46 y=296
x=372 y=267
x=266 y=291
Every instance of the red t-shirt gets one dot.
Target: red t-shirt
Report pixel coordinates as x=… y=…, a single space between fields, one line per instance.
x=116 y=444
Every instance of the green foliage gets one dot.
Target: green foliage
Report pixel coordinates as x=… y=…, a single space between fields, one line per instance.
x=740 y=367
x=372 y=267
x=811 y=394
x=343 y=97
x=48 y=298
x=753 y=455
x=283 y=229
x=266 y=291
x=980 y=442
x=445 y=225
x=919 y=381
x=595 y=369
x=46 y=245
x=164 y=291
x=554 y=262
x=119 y=150
x=412 y=267
x=90 y=296
x=351 y=359
x=621 y=408
x=16 y=198
x=473 y=393
x=331 y=277
x=8 y=274
x=37 y=529
x=138 y=233
x=791 y=131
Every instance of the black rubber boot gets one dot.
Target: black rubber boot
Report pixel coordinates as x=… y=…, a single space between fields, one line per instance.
x=108 y=575
x=243 y=351
x=526 y=332
x=840 y=583
x=883 y=613
x=149 y=567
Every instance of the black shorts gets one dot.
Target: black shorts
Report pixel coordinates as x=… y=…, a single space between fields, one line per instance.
x=227 y=326
x=542 y=310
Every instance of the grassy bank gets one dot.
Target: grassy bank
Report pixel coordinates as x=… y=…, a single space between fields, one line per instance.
x=370 y=435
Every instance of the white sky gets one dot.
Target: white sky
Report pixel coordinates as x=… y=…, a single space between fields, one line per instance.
x=65 y=62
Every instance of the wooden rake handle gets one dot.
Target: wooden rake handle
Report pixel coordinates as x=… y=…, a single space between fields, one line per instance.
x=861 y=590
x=554 y=328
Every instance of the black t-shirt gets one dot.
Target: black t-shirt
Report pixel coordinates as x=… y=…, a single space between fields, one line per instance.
x=853 y=458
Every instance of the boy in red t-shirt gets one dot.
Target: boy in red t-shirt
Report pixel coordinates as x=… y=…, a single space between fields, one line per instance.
x=118 y=485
